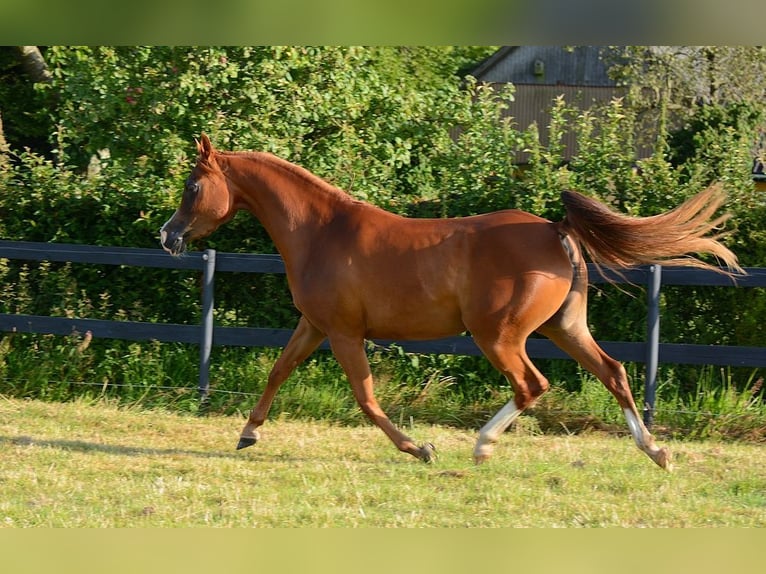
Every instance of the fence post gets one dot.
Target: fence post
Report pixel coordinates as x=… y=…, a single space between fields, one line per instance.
x=206 y=339
x=654 y=280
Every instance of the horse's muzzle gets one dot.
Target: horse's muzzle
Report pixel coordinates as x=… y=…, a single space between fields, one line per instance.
x=172 y=241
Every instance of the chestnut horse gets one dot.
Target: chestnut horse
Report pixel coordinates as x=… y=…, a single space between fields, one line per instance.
x=358 y=272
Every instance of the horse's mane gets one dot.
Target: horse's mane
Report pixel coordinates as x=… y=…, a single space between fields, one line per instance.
x=285 y=165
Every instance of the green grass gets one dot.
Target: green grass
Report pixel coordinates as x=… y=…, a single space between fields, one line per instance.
x=95 y=464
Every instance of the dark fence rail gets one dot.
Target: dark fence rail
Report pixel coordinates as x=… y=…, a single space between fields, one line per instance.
x=651 y=352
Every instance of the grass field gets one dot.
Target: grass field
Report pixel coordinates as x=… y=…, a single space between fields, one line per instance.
x=92 y=464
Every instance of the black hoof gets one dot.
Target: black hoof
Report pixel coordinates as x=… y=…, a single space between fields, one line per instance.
x=428 y=452
x=245 y=442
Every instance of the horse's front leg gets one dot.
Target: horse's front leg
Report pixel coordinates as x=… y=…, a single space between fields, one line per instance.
x=349 y=351
x=305 y=339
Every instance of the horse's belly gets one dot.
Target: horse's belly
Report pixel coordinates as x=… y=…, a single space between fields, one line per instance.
x=413 y=320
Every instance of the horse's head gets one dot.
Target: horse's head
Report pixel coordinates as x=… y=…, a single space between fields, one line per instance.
x=205 y=205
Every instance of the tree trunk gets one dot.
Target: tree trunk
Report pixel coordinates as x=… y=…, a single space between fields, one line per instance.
x=4 y=149
x=34 y=64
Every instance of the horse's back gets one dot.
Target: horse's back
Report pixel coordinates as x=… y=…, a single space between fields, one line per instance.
x=508 y=241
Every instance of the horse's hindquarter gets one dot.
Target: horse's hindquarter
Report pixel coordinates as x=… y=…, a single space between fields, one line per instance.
x=385 y=276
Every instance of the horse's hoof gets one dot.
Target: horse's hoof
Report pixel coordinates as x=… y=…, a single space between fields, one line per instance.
x=482 y=453
x=245 y=442
x=662 y=458
x=427 y=452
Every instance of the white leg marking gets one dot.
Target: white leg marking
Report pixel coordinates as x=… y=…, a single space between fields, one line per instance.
x=636 y=428
x=491 y=431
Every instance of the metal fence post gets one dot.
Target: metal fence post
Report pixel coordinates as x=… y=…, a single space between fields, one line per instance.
x=653 y=283
x=206 y=338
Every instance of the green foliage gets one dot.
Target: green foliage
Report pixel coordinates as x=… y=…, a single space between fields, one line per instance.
x=686 y=79
x=353 y=115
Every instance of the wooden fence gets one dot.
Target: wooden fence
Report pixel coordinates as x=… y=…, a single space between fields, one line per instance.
x=206 y=334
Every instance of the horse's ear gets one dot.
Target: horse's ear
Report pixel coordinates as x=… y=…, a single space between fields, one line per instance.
x=204 y=147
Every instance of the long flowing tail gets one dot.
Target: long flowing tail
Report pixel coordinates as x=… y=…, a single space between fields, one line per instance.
x=672 y=238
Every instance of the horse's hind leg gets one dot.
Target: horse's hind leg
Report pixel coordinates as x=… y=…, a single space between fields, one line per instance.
x=305 y=339
x=528 y=384
x=577 y=341
x=568 y=329
x=350 y=353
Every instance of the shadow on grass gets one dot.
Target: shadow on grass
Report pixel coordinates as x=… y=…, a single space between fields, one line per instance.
x=251 y=455
x=122 y=450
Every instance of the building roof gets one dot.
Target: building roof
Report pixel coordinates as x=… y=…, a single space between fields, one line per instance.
x=547 y=65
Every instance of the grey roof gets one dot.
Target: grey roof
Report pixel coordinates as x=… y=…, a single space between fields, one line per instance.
x=546 y=65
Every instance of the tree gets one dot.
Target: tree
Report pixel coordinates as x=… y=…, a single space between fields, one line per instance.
x=299 y=102
x=34 y=64
x=690 y=76
x=669 y=85
x=25 y=113
x=4 y=149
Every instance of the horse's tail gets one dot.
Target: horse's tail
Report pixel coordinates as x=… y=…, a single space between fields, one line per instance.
x=615 y=240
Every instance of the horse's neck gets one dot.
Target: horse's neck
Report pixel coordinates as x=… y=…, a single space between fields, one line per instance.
x=289 y=202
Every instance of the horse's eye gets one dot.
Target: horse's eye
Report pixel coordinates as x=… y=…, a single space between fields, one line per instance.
x=192 y=188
